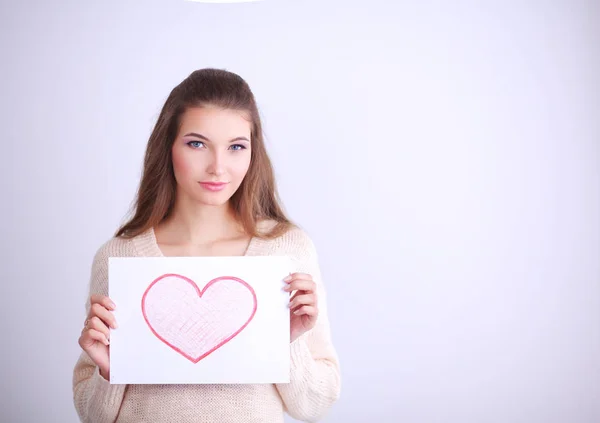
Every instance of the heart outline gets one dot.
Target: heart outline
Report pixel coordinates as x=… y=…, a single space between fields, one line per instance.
x=200 y=293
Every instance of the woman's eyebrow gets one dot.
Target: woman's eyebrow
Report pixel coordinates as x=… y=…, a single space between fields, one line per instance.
x=194 y=134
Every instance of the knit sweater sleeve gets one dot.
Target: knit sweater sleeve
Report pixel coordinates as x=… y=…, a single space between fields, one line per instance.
x=315 y=374
x=96 y=400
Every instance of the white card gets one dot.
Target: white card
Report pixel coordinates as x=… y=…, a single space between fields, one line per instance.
x=199 y=320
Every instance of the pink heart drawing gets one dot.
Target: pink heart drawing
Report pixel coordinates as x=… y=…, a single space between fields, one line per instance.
x=196 y=323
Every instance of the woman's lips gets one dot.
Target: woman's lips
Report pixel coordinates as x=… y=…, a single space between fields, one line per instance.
x=213 y=186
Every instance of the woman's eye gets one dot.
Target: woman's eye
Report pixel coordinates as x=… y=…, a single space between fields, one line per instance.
x=241 y=147
x=195 y=144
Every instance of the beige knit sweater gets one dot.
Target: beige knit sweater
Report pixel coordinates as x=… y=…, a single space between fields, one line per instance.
x=314 y=374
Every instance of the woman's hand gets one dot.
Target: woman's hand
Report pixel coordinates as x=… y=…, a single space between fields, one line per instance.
x=303 y=303
x=95 y=336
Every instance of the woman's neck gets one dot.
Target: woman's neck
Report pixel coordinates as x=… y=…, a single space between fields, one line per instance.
x=199 y=225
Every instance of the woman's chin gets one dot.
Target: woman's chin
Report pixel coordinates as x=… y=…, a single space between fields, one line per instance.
x=207 y=198
x=213 y=200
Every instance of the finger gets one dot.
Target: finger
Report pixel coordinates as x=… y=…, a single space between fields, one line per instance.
x=301 y=285
x=107 y=316
x=103 y=301
x=304 y=299
x=98 y=325
x=86 y=326
x=306 y=310
x=94 y=335
x=296 y=293
x=297 y=275
x=293 y=296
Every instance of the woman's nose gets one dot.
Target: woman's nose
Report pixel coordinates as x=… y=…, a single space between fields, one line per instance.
x=216 y=166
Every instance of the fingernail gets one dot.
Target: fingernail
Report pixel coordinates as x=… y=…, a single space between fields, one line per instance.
x=115 y=325
x=288 y=278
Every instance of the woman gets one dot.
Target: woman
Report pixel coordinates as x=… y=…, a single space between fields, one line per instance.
x=208 y=189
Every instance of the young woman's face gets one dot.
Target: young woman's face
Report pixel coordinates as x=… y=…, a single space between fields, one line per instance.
x=211 y=154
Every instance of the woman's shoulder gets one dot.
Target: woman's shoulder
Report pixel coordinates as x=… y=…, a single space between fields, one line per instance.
x=297 y=244
x=116 y=246
x=293 y=240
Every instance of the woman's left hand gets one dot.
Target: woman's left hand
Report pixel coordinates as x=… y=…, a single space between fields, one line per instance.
x=303 y=304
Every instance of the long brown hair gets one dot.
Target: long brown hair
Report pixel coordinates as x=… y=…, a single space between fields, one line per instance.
x=256 y=199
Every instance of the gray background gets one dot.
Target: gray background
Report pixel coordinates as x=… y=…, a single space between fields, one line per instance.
x=444 y=156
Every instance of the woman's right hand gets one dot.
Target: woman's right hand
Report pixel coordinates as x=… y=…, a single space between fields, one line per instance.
x=95 y=336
